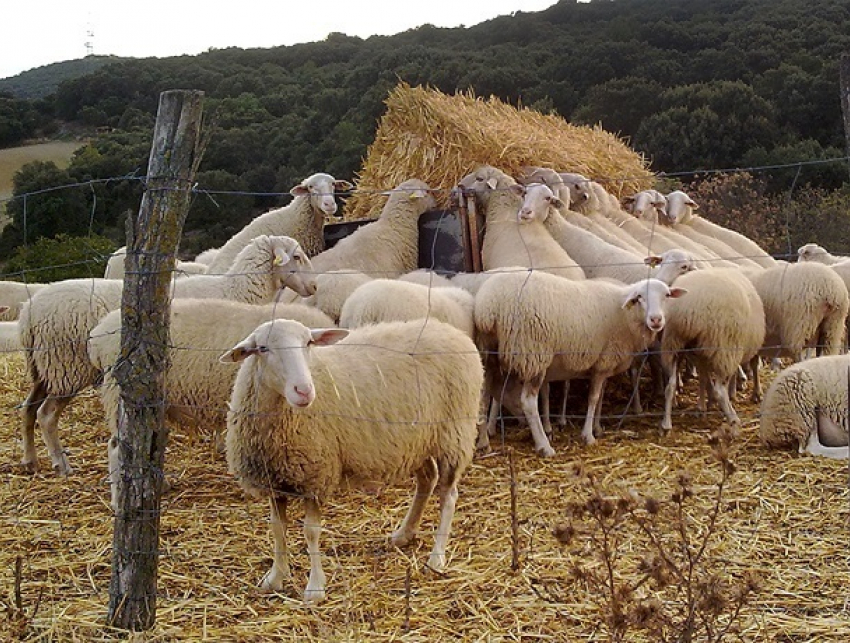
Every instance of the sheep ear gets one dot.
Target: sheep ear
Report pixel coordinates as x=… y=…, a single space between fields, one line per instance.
x=280 y=257
x=492 y=183
x=631 y=301
x=629 y=199
x=242 y=350
x=556 y=202
x=692 y=203
x=300 y=190
x=516 y=188
x=3 y=309
x=676 y=292
x=418 y=194
x=653 y=260
x=327 y=336
x=340 y=185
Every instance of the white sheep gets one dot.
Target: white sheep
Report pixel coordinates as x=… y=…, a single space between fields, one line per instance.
x=814 y=252
x=197 y=386
x=718 y=326
x=680 y=212
x=206 y=257
x=651 y=206
x=333 y=288
x=383 y=300
x=55 y=324
x=302 y=219
x=10 y=338
x=115 y=266
x=514 y=228
x=13 y=295
x=389 y=246
x=546 y=328
x=806 y=407
x=427 y=277
x=387 y=402
x=805 y=305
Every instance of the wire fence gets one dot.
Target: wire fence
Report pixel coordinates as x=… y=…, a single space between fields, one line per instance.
x=215 y=548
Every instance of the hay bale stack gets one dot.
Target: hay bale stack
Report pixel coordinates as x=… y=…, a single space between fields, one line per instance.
x=438 y=138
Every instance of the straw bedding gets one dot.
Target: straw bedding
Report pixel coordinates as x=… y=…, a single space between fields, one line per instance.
x=441 y=138
x=784 y=516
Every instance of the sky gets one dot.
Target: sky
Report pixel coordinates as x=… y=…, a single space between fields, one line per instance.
x=40 y=32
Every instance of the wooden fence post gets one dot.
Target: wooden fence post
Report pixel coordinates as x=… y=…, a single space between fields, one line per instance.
x=152 y=244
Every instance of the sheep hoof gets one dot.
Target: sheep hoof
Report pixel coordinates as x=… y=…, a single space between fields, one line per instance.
x=401 y=539
x=62 y=468
x=314 y=595
x=30 y=466
x=436 y=562
x=588 y=440
x=545 y=451
x=272 y=582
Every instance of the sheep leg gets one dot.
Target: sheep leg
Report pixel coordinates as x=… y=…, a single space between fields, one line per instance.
x=528 y=401
x=29 y=412
x=448 y=500
x=594 y=397
x=634 y=375
x=426 y=480
x=545 y=409
x=315 y=590
x=671 y=369
x=721 y=393
x=754 y=368
x=562 y=417
x=274 y=579
x=48 y=417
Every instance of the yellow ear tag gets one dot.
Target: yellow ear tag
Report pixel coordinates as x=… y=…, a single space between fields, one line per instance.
x=278 y=260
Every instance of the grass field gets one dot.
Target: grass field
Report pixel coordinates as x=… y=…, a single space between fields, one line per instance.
x=13 y=158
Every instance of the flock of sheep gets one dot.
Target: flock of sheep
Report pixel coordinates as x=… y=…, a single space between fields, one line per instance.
x=355 y=368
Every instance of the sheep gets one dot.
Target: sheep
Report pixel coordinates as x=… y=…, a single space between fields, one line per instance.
x=13 y=295
x=428 y=278
x=197 y=388
x=303 y=219
x=680 y=212
x=805 y=304
x=814 y=252
x=546 y=328
x=115 y=266
x=719 y=326
x=806 y=407
x=333 y=288
x=514 y=232
x=651 y=206
x=389 y=246
x=413 y=393
x=394 y=300
x=10 y=339
x=55 y=324
x=206 y=256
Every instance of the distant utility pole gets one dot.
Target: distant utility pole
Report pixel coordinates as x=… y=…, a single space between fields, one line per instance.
x=845 y=97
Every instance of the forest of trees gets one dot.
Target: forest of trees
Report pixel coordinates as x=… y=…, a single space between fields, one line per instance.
x=693 y=84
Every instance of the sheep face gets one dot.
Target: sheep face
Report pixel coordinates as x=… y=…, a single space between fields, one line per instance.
x=810 y=252
x=671 y=264
x=536 y=200
x=578 y=185
x=320 y=188
x=291 y=266
x=651 y=295
x=283 y=346
x=680 y=207
x=648 y=204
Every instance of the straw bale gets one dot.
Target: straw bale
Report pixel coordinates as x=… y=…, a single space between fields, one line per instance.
x=783 y=515
x=440 y=138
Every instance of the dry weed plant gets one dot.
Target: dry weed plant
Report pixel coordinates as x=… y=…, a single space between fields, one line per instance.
x=648 y=560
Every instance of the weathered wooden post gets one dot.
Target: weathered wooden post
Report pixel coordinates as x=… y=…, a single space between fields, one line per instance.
x=845 y=97
x=152 y=241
